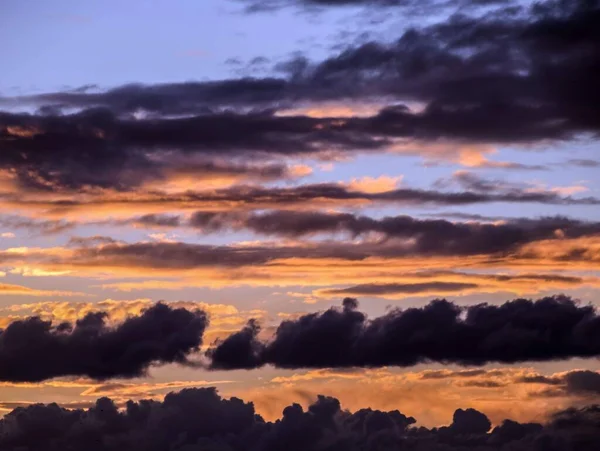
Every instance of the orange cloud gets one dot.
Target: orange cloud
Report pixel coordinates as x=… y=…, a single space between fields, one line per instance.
x=431 y=401
x=375 y=184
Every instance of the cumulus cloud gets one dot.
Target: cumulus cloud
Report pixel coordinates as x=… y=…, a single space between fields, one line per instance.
x=202 y=419
x=522 y=330
x=33 y=349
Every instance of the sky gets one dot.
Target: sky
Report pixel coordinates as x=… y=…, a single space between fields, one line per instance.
x=312 y=206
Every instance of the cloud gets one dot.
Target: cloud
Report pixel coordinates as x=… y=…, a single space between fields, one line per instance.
x=524 y=269
x=103 y=203
x=551 y=328
x=129 y=153
x=582 y=383
x=406 y=6
x=429 y=395
x=511 y=76
x=43 y=227
x=224 y=319
x=396 y=288
x=126 y=154
x=584 y=163
x=19 y=290
x=202 y=418
x=33 y=349
x=436 y=236
x=448 y=283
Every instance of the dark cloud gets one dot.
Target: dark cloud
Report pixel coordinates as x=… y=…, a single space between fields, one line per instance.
x=181 y=255
x=34 y=350
x=200 y=419
x=483 y=384
x=154 y=220
x=44 y=152
x=248 y=197
x=470 y=421
x=383 y=289
x=551 y=328
x=435 y=236
x=517 y=74
x=573 y=383
x=583 y=382
x=374 y=289
x=539 y=379
x=445 y=374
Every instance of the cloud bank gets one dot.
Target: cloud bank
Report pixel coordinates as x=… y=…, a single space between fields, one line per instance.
x=201 y=419
x=522 y=330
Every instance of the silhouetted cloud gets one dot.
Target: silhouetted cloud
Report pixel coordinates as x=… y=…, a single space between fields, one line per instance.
x=43 y=152
x=436 y=236
x=373 y=289
x=572 y=383
x=201 y=419
x=439 y=286
x=517 y=74
x=34 y=350
x=551 y=328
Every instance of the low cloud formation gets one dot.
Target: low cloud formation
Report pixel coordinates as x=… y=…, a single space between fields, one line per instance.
x=33 y=350
x=551 y=328
x=201 y=419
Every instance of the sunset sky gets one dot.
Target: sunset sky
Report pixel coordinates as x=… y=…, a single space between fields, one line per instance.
x=253 y=162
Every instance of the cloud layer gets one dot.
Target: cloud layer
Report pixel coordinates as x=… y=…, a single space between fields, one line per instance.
x=518 y=75
x=201 y=419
